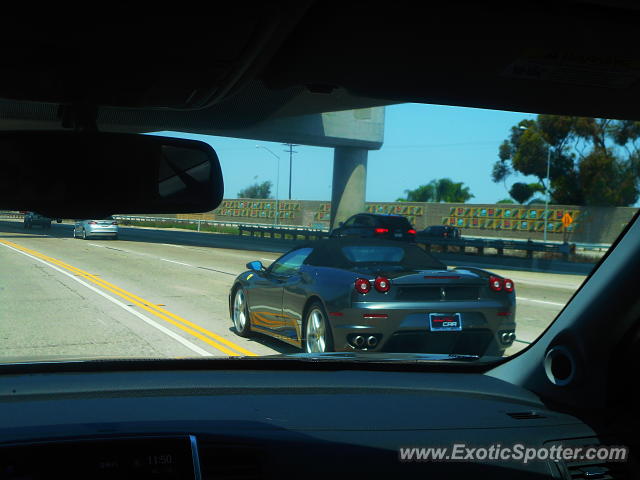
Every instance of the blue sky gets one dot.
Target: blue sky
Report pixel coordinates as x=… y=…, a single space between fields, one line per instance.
x=421 y=143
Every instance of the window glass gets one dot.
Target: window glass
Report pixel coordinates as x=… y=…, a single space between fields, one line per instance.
x=363 y=221
x=350 y=222
x=290 y=263
x=366 y=254
x=397 y=222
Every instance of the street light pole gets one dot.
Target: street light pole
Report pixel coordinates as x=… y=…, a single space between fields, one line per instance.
x=291 y=152
x=547 y=191
x=546 y=203
x=277 y=215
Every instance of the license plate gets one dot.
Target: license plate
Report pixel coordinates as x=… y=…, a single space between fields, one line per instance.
x=397 y=235
x=445 y=322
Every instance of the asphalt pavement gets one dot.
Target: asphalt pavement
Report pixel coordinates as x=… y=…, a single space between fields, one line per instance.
x=163 y=293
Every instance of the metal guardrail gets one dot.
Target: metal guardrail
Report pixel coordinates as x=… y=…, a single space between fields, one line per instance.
x=294 y=232
x=566 y=249
x=594 y=246
x=10 y=214
x=242 y=226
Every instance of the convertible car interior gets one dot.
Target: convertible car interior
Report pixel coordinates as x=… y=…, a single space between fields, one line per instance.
x=341 y=414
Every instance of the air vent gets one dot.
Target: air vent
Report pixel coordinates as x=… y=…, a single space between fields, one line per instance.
x=525 y=415
x=230 y=462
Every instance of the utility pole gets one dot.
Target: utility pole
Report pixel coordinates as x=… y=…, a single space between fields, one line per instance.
x=291 y=152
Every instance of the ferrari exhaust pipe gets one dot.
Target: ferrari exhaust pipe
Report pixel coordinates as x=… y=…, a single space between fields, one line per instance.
x=507 y=337
x=372 y=341
x=359 y=341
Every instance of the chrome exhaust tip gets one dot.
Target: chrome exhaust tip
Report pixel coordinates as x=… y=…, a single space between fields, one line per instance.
x=507 y=337
x=372 y=341
x=359 y=341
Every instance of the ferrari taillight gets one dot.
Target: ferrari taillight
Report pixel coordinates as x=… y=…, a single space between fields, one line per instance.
x=508 y=285
x=495 y=283
x=362 y=285
x=382 y=284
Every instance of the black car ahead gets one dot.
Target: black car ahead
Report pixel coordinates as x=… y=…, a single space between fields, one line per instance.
x=441 y=231
x=373 y=225
x=350 y=295
x=33 y=218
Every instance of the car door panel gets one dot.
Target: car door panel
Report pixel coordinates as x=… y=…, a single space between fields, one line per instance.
x=267 y=296
x=294 y=297
x=265 y=302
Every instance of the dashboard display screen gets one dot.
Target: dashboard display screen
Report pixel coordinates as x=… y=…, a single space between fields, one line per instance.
x=121 y=458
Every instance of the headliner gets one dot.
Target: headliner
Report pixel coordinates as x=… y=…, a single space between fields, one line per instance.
x=252 y=62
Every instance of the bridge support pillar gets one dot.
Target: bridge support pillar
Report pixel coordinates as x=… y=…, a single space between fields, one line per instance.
x=349 y=183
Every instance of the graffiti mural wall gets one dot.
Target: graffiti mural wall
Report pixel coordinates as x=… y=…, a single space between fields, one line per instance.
x=523 y=219
x=564 y=222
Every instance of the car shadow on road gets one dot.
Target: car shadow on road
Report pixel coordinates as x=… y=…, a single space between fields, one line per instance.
x=270 y=342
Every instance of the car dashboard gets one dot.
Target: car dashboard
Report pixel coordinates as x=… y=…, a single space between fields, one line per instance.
x=249 y=424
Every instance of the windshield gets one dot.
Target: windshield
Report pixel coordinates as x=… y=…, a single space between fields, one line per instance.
x=481 y=226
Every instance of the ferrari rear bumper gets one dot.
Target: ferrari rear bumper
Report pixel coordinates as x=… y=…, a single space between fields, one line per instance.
x=407 y=328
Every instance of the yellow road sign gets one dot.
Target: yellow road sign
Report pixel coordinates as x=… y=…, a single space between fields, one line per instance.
x=567 y=220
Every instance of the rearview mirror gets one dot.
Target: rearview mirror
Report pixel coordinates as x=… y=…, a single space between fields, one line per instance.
x=94 y=175
x=256 y=266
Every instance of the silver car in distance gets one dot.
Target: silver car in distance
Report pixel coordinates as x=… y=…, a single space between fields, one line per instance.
x=107 y=227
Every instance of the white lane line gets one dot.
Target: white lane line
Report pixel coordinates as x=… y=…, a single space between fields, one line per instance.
x=142 y=317
x=540 y=301
x=96 y=245
x=179 y=263
x=170 y=261
x=172 y=245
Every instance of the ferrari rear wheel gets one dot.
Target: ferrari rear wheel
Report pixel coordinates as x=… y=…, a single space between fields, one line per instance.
x=317 y=331
x=240 y=313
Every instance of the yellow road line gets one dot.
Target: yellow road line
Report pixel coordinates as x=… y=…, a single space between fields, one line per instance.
x=181 y=323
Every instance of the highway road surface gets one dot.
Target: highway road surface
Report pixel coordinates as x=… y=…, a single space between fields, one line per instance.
x=163 y=293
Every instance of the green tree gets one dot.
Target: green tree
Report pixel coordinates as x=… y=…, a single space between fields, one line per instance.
x=594 y=161
x=257 y=190
x=424 y=193
x=440 y=190
x=521 y=192
x=506 y=200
